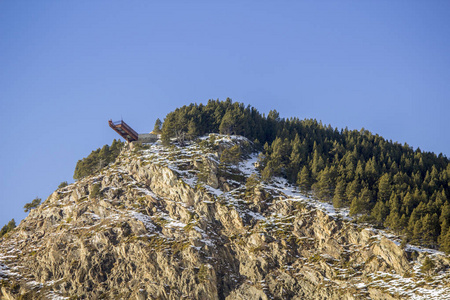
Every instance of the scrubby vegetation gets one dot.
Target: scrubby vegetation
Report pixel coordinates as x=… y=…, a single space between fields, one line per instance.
x=95 y=191
x=32 y=205
x=97 y=159
x=62 y=184
x=382 y=182
x=8 y=227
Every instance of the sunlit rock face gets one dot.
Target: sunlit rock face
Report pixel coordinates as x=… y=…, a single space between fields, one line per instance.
x=183 y=222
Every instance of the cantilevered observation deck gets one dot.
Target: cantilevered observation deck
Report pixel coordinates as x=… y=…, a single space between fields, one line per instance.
x=124 y=130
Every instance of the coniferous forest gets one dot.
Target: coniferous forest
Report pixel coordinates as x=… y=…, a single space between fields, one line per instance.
x=97 y=159
x=382 y=182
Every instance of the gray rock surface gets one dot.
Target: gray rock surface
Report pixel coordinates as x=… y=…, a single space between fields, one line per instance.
x=176 y=224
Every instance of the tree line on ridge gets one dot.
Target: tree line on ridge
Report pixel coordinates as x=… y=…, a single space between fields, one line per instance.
x=382 y=182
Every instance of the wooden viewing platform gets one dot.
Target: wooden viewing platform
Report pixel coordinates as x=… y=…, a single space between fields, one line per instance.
x=124 y=130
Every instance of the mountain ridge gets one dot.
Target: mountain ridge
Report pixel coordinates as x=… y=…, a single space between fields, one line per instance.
x=188 y=221
x=385 y=183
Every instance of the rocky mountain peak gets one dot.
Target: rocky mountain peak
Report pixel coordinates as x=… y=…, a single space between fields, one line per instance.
x=196 y=222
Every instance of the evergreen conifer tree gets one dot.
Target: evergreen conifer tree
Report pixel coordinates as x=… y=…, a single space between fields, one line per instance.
x=8 y=227
x=379 y=212
x=417 y=233
x=323 y=188
x=32 y=205
x=157 y=127
x=193 y=130
x=427 y=266
x=353 y=189
x=339 y=199
x=304 y=180
x=444 y=241
x=361 y=203
x=227 y=123
x=393 y=221
x=384 y=188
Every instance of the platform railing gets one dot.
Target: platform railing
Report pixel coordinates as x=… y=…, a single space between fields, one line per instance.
x=126 y=128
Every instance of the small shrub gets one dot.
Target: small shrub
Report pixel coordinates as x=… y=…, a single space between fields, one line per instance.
x=202 y=274
x=408 y=274
x=140 y=146
x=427 y=266
x=95 y=191
x=62 y=184
x=252 y=182
x=403 y=243
x=314 y=258
x=231 y=156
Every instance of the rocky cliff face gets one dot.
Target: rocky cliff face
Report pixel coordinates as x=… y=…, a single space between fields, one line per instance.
x=173 y=223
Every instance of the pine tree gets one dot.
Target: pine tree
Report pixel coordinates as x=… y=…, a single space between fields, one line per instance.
x=361 y=204
x=304 y=180
x=414 y=217
x=359 y=172
x=267 y=173
x=231 y=155
x=324 y=186
x=339 y=199
x=379 y=212
x=32 y=205
x=317 y=163
x=444 y=218
x=429 y=229
x=417 y=233
x=427 y=266
x=371 y=171
x=8 y=227
x=444 y=241
x=367 y=198
x=157 y=127
x=353 y=189
x=280 y=154
x=193 y=130
x=227 y=123
x=356 y=206
x=408 y=203
x=394 y=203
x=114 y=150
x=295 y=159
x=350 y=171
x=384 y=188
x=393 y=221
x=103 y=157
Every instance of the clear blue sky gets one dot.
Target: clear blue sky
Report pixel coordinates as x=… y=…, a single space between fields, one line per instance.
x=66 y=67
